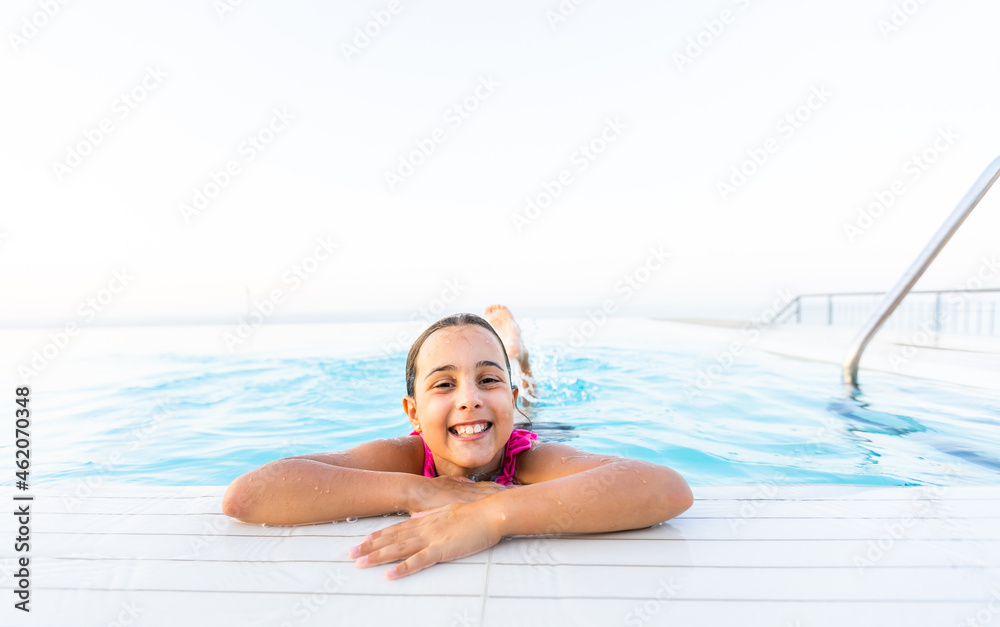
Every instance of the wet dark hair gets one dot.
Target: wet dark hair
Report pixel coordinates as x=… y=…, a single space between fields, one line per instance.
x=455 y=320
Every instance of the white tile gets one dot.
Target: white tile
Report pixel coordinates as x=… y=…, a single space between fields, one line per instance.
x=764 y=553
x=922 y=505
x=655 y=612
x=461 y=579
x=88 y=608
x=194 y=547
x=197 y=524
x=81 y=489
x=837 y=491
x=816 y=529
x=758 y=584
x=818 y=555
x=51 y=504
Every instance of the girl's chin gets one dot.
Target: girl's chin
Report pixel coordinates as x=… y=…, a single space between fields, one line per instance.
x=474 y=453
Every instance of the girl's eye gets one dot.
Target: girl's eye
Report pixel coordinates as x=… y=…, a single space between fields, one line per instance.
x=490 y=379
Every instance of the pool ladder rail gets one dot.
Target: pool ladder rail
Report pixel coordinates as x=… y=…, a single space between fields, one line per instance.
x=794 y=306
x=916 y=269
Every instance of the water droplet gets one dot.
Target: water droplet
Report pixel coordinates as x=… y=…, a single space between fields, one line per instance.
x=352 y=519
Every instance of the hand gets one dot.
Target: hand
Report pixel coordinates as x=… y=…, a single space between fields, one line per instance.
x=442 y=534
x=434 y=492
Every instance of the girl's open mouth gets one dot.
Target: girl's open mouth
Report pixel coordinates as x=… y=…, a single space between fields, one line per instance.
x=471 y=431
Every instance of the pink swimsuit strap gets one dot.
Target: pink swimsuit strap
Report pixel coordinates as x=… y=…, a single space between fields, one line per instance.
x=520 y=440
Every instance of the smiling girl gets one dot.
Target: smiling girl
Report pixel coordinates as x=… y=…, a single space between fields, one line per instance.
x=466 y=476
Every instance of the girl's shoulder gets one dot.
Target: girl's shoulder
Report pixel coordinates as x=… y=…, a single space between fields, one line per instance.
x=545 y=461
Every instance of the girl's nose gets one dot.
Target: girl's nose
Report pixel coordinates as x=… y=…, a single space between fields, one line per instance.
x=468 y=397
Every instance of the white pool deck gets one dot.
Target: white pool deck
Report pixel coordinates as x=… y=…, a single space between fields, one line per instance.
x=776 y=555
x=742 y=555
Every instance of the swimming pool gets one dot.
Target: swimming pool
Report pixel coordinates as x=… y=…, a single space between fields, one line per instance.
x=172 y=406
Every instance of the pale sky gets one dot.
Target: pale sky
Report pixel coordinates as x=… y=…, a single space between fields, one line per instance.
x=624 y=120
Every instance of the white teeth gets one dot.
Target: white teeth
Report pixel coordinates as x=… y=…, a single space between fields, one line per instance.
x=470 y=429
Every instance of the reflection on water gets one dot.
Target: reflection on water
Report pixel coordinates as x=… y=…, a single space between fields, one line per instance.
x=860 y=417
x=551 y=432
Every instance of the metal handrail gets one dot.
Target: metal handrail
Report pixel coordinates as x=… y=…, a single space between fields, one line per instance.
x=796 y=302
x=916 y=269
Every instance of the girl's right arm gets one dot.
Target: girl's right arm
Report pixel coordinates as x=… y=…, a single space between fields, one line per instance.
x=380 y=477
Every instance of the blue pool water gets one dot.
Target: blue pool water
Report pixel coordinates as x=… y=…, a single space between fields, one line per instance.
x=180 y=418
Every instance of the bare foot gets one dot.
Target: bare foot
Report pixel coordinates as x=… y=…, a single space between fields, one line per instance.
x=503 y=322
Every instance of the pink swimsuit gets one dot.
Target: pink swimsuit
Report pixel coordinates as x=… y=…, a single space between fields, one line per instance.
x=520 y=440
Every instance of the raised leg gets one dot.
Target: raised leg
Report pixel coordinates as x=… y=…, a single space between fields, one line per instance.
x=503 y=322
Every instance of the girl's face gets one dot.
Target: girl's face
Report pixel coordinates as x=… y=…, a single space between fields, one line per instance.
x=462 y=387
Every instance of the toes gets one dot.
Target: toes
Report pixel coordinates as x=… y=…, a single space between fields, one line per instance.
x=496 y=309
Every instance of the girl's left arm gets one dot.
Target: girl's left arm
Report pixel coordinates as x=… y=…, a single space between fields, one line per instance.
x=568 y=491
x=575 y=492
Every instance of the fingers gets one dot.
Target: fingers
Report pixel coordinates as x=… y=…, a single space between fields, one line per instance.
x=412 y=564
x=401 y=550
x=429 y=537
x=365 y=547
x=402 y=541
x=397 y=541
x=382 y=550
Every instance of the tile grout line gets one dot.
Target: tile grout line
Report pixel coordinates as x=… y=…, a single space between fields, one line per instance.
x=536 y=598
x=567 y=537
x=486 y=586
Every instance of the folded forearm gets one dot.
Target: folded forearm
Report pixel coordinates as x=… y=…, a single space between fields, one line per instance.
x=614 y=497
x=302 y=491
